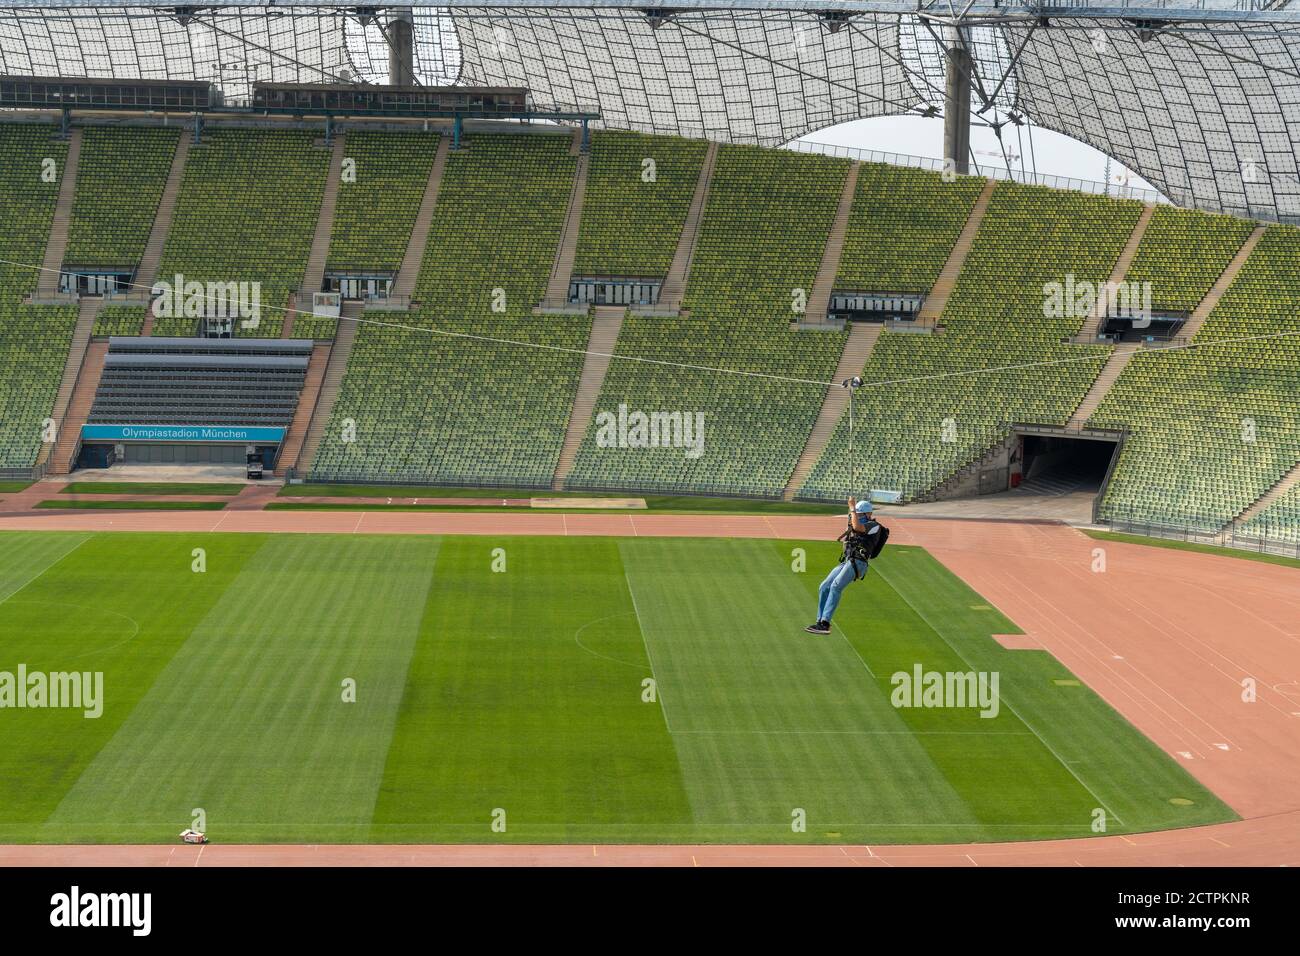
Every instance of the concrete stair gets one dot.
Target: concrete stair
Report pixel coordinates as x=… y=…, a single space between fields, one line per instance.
x=328 y=392
x=302 y=416
x=83 y=397
x=290 y=313
x=557 y=286
x=934 y=303
x=674 y=287
x=1206 y=305
x=962 y=483
x=1119 y=358
x=606 y=323
x=314 y=277
x=1260 y=504
x=820 y=301
x=1092 y=326
x=47 y=284
x=87 y=309
x=857 y=350
x=404 y=283
x=146 y=274
x=255 y=496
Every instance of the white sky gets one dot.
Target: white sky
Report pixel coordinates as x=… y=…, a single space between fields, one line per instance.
x=1056 y=154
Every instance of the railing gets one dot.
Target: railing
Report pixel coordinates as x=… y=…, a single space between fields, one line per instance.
x=23 y=474
x=127 y=297
x=387 y=303
x=1146 y=342
x=1284 y=542
x=915 y=327
x=988 y=172
x=1181 y=199
x=1066 y=431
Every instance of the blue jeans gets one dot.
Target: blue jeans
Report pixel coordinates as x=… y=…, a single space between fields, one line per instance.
x=841 y=576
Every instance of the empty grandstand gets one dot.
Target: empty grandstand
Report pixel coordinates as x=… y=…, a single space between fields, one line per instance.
x=732 y=284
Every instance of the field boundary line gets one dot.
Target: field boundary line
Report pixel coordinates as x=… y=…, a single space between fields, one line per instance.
x=645 y=643
x=47 y=567
x=1010 y=706
x=848 y=733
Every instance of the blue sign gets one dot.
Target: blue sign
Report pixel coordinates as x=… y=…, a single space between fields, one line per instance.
x=187 y=433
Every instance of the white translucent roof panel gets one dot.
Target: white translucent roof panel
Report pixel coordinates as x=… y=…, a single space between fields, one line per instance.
x=1207 y=112
x=1210 y=117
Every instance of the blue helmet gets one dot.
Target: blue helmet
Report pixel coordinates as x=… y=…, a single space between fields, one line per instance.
x=864 y=508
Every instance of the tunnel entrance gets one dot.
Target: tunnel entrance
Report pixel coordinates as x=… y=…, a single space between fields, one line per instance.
x=1062 y=465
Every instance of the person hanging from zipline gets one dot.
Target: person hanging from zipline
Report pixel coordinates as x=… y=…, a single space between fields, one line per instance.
x=863 y=540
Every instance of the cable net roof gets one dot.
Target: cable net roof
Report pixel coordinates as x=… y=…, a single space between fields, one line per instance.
x=1206 y=112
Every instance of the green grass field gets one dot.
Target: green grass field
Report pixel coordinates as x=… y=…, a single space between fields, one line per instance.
x=521 y=693
x=111 y=504
x=673 y=504
x=150 y=488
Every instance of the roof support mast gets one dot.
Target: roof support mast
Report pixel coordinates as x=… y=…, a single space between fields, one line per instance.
x=956 y=107
x=401 y=48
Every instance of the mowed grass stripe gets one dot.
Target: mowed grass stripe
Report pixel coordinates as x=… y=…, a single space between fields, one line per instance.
x=766 y=719
x=248 y=721
x=525 y=695
x=24 y=557
x=998 y=765
x=1123 y=769
x=120 y=604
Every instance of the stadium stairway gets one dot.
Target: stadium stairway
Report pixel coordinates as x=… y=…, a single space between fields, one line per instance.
x=147 y=272
x=1206 y=306
x=557 y=286
x=857 y=352
x=290 y=313
x=819 y=302
x=409 y=272
x=87 y=309
x=328 y=392
x=47 y=284
x=302 y=416
x=934 y=303
x=1118 y=360
x=674 y=287
x=314 y=276
x=1093 y=324
x=607 y=322
x=83 y=398
x=1261 y=504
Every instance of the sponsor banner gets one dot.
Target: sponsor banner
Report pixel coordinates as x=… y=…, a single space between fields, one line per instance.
x=183 y=433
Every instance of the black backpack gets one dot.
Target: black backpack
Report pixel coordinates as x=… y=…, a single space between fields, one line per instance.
x=878 y=540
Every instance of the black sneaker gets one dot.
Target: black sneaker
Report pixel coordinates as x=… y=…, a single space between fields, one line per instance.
x=821 y=627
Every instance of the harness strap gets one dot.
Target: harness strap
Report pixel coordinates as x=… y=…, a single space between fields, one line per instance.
x=856 y=548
